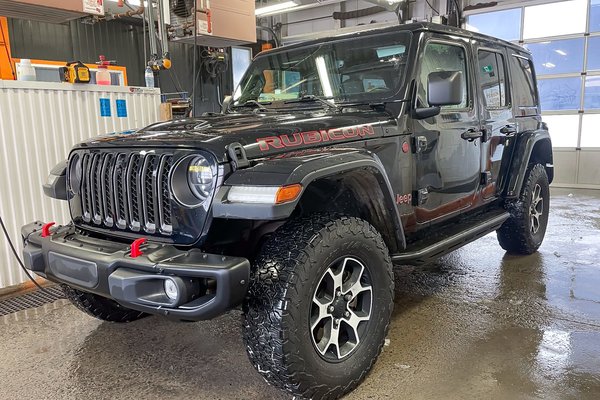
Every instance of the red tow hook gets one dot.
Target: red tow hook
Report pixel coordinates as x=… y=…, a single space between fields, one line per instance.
x=46 y=229
x=135 y=247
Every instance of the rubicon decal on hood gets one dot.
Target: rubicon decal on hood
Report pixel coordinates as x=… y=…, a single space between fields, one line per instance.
x=312 y=137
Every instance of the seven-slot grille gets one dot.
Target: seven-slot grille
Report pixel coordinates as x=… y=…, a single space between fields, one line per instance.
x=128 y=191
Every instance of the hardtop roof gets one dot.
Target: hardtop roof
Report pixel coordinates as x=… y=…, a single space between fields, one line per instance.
x=412 y=27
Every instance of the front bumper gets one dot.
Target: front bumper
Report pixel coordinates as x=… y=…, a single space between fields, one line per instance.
x=208 y=284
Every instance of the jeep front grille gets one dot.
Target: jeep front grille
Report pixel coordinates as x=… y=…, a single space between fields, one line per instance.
x=127 y=191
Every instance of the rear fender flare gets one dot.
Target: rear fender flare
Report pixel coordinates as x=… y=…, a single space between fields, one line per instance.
x=532 y=145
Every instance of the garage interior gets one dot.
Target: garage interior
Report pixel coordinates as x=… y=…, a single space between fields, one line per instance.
x=476 y=323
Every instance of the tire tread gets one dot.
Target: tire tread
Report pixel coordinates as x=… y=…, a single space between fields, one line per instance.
x=282 y=263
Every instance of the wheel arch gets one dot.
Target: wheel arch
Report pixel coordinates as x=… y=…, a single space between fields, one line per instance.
x=348 y=181
x=533 y=146
x=361 y=192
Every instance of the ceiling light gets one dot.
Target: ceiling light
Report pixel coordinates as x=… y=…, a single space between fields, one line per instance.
x=561 y=52
x=275 y=7
x=548 y=65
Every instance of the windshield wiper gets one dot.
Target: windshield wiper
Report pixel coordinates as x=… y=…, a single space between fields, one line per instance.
x=313 y=98
x=377 y=106
x=253 y=103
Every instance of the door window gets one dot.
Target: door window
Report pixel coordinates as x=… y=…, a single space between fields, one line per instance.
x=522 y=82
x=492 y=79
x=443 y=57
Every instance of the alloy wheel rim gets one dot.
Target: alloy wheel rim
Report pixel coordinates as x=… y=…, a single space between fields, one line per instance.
x=537 y=209
x=341 y=309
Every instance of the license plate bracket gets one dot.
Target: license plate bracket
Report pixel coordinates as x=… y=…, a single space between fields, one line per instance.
x=73 y=270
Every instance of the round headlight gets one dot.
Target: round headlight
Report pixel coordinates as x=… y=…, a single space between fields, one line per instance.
x=200 y=177
x=75 y=174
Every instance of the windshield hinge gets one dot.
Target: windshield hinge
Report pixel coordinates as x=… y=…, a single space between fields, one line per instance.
x=237 y=156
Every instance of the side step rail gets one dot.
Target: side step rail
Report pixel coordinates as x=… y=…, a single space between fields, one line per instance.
x=451 y=243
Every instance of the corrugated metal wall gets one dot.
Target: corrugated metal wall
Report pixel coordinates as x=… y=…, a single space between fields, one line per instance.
x=38 y=128
x=118 y=41
x=39 y=124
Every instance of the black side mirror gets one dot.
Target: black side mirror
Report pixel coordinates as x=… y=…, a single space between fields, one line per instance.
x=445 y=88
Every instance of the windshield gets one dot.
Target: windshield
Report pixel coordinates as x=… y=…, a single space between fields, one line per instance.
x=359 y=69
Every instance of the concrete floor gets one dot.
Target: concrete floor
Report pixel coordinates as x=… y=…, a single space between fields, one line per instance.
x=476 y=324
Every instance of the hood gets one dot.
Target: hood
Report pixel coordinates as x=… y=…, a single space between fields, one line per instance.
x=260 y=134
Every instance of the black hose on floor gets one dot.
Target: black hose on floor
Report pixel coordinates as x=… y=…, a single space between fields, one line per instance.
x=14 y=251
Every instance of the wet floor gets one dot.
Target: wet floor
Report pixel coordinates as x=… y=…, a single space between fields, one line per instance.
x=477 y=324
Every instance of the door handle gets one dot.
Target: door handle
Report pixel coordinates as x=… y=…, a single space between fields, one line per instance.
x=509 y=130
x=472 y=134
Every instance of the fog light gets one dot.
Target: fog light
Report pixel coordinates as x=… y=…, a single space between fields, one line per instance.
x=171 y=289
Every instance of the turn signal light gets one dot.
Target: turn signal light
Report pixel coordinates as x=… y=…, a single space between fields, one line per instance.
x=288 y=193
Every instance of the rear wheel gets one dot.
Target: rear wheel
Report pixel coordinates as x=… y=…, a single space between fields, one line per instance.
x=319 y=305
x=100 y=307
x=524 y=231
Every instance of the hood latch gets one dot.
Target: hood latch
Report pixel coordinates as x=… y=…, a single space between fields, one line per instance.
x=237 y=156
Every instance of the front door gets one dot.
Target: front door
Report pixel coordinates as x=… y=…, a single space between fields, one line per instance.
x=447 y=149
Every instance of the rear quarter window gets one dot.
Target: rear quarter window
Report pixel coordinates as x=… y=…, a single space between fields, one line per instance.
x=523 y=82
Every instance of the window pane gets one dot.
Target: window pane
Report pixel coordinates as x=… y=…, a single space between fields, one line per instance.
x=563 y=129
x=492 y=79
x=595 y=16
x=590 y=134
x=504 y=24
x=442 y=57
x=522 y=86
x=593 y=62
x=558 y=57
x=592 y=92
x=560 y=93
x=555 y=19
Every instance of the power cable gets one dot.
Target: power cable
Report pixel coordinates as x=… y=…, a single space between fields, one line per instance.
x=430 y=6
x=144 y=35
x=195 y=53
x=14 y=251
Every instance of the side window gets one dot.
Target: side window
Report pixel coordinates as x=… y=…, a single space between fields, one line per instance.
x=443 y=57
x=524 y=94
x=492 y=79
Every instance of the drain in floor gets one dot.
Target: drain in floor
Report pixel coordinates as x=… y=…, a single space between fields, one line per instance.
x=36 y=298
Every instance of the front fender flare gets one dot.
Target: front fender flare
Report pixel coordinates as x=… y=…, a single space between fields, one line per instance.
x=303 y=169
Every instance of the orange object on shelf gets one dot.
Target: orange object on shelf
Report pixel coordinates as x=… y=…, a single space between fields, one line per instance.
x=7 y=68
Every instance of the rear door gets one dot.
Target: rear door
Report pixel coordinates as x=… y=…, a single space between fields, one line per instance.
x=497 y=119
x=447 y=166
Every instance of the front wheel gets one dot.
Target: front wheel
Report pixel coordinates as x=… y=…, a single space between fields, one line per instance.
x=524 y=231
x=319 y=305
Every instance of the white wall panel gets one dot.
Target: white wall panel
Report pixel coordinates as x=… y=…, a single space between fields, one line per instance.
x=39 y=123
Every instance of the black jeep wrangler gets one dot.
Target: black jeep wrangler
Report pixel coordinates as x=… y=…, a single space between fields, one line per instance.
x=335 y=160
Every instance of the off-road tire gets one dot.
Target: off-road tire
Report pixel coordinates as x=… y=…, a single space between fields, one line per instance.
x=100 y=307
x=276 y=327
x=516 y=235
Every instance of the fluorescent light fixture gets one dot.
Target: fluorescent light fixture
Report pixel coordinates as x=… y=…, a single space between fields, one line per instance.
x=561 y=52
x=275 y=7
x=324 y=76
x=548 y=65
